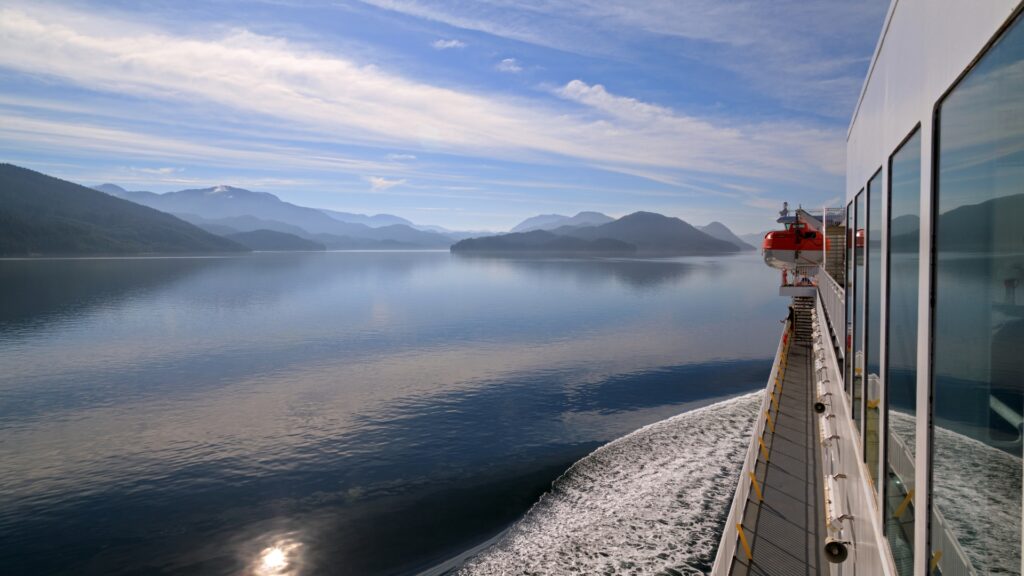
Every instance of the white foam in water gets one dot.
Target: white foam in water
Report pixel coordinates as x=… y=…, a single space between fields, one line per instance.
x=651 y=502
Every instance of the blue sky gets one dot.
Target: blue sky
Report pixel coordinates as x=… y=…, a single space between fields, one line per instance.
x=466 y=114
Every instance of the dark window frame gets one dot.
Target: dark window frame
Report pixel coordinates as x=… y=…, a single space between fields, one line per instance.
x=886 y=293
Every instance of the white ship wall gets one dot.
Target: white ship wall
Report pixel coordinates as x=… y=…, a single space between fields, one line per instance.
x=926 y=45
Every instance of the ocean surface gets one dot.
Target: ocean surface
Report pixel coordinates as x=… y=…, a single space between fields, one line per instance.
x=359 y=412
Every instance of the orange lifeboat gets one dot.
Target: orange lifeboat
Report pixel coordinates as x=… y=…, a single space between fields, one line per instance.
x=800 y=245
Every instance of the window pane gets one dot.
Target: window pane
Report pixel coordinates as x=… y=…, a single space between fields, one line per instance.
x=858 y=307
x=978 y=354
x=873 y=317
x=901 y=374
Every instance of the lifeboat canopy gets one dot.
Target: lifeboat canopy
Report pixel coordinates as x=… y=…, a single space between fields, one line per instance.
x=799 y=245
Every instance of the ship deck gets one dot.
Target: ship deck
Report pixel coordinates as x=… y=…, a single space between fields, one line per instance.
x=786 y=530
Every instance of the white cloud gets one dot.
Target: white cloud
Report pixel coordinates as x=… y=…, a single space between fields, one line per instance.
x=443 y=44
x=401 y=157
x=378 y=183
x=509 y=65
x=90 y=140
x=333 y=98
x=808 y=53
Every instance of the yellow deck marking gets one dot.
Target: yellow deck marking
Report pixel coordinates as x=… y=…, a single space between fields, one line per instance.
x=743 y=540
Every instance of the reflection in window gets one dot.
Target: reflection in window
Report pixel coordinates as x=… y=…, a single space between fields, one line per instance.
x=858 y=307
x=978 y=355
x=901 y=372
x=848 y=354
x=873 y=331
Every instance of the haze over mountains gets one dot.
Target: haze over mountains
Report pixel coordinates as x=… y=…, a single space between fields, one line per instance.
x=42 y=215
x=552 y=221
x=229 y=210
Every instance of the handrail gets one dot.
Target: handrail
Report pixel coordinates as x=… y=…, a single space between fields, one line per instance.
x=833 y=299
x=730 y=535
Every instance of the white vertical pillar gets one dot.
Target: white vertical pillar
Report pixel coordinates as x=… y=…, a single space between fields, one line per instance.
x=883 y=343
x=922 y=434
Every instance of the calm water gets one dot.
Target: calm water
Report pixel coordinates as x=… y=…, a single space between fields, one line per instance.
x=353 y=413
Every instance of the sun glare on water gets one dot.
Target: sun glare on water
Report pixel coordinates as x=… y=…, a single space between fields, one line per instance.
x=279 y=559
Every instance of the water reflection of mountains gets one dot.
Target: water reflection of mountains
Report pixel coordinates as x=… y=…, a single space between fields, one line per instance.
x=37 y=292
x=631 y=272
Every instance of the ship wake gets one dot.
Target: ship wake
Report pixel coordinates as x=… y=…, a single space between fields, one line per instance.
x=654 y=501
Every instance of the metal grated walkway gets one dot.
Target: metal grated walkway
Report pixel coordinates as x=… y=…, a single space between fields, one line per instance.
x=785 y=531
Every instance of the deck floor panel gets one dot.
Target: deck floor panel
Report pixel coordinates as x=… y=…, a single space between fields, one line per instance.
x=786 y=530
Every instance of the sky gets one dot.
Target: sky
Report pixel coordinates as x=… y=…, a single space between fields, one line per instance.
x=469 y=114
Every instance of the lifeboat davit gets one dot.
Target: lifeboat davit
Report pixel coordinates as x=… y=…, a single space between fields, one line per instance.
x=800 y=245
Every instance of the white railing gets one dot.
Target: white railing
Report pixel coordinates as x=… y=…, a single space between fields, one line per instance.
x=901 y=461
x=953 y=561
x=730 y=535
x=833 y=299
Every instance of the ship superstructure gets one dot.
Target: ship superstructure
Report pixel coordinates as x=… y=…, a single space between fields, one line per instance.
x=890 y=435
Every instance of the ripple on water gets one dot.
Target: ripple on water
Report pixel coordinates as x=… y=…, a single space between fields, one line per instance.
x=651 y=502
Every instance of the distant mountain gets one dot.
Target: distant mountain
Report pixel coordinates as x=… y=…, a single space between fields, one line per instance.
x=236 y=224
x=375 y=221
x=112 y=189
x=540 y=222
x=43 y=215
x=335 y=242
x=541 y=241
x=455 y=235
x=229 y=206
x=552 y=221
x=654 y=233
x=720 y=231
x=272 y=240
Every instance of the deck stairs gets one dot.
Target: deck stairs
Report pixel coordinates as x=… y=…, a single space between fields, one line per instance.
x=802 y=322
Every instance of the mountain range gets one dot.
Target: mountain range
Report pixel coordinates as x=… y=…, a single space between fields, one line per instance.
x=641 y=232
x=44 y=216
x=228 y=210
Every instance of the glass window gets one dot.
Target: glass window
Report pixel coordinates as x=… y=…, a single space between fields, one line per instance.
x=858 y=306
x=978 y=341
x=873 y=330
x=848 y=354
x=901 y=344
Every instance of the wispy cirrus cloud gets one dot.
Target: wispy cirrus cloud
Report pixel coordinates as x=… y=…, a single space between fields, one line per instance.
x=443 y=44
x=330 y=95
x=808 y=53
x=165 y=171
